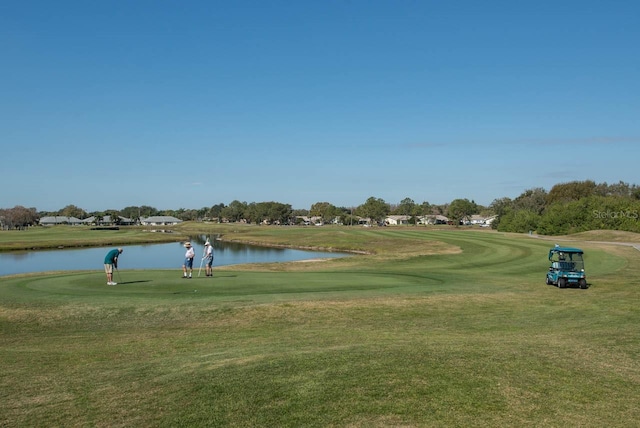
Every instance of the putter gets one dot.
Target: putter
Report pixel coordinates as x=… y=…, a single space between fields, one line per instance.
x=119 y=277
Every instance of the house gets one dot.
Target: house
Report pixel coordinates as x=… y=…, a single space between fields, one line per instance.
x=477 y=219
x=59 y=219
x=107 y=221
x=397 y=220
x=160 y=220
x=126 y=221
x=433 y=219
x=364 y=221
x=489 y=220
x=305 y=220
x=336 y=220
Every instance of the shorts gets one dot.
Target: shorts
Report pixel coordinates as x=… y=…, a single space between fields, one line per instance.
x=188 y=263
x=108 y=268
x=209 y=261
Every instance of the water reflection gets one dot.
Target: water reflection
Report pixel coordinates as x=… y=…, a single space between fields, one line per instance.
x=150 y=256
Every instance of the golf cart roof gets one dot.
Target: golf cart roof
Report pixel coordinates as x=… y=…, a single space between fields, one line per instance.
x=565 y=250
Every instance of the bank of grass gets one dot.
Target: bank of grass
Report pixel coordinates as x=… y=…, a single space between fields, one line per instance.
x=465 y=336
x=52 y=237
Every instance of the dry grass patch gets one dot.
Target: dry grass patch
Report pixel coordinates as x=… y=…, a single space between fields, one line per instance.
x=403 y=249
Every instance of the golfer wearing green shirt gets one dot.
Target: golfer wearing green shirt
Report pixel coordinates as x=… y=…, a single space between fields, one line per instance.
x=111 y=261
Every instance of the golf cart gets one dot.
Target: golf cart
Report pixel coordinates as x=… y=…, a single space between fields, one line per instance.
x=567 y=267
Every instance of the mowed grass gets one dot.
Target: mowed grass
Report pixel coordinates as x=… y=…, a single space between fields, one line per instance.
x=461 y=331
x=39 y=238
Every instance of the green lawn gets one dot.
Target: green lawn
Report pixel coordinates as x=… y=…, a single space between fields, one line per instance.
x=432 y=328
x=38 y=238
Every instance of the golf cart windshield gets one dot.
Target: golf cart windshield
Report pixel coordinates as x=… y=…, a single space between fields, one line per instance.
x=567 y=259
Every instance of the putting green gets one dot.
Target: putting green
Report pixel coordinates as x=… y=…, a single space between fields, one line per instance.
x=168 y=285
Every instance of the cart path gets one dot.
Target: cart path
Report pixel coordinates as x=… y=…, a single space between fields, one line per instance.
x=551 y=238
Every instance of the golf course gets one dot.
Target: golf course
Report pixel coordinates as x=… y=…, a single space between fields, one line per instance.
x=419 y=327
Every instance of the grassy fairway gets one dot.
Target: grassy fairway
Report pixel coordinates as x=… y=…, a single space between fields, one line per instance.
x=38 y=238
x=432 y=328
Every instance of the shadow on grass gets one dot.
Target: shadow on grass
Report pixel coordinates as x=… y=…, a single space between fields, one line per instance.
x=133 y=282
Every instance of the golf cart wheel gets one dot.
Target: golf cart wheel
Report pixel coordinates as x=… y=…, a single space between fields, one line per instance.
x=583 y=284
x=562 y=283
x=548 y=281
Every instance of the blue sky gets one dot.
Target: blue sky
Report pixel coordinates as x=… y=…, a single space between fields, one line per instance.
x=189 y=104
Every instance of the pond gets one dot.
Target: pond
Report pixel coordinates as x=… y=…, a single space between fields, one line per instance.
x=152 y=256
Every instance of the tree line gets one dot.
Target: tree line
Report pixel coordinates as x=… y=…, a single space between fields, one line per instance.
x=571 y=207
x=567 y=208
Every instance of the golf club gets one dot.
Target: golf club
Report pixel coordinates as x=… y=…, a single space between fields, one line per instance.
x=199 y=270
x=119 y=277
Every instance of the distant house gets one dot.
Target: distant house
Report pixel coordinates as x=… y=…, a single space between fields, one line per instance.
x=489 y=220
x=478 y=220
x=107 y=221
x=336 y=220
x=59 y=219
x=160 y=220
x=397 y=220
x=126 y=221
x=89 y=220
x=305 y=220
x=364 y=221
x=433 y=219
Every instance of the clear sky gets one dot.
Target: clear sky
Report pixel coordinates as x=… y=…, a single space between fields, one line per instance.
x=187 y=104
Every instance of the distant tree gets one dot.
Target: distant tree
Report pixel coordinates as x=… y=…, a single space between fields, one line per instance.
x=255 y=213
x=406 y=207
x=461 y=208
x=131 y=212
x=272 y=212
x=424 y=209
x=571 y=191
x=187 y=214
x=234 y=211
x=532 y=199
x=620 y=189
x=202 y=213
x=215 y=212
x=280 y=212
x=440 y=209
x=374 y=208
x=19 y=217
x=519 y=221
x=300 y=212
x=73 y=211
x=147 y=211
x=501 y=206
x=591 y=213
x=325 y=210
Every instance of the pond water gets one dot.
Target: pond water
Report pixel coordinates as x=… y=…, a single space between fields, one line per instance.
x=152 y=256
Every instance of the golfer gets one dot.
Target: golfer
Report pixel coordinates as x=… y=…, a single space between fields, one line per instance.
x=111 y=261
x=208 y=257
x=188 y=260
